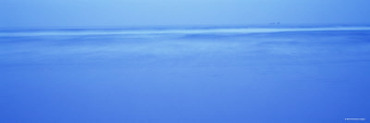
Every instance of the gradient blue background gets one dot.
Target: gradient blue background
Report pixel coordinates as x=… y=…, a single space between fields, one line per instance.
x=60 y=74
x=113 y=13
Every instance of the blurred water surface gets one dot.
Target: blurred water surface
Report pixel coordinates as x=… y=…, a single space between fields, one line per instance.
x=218 y=75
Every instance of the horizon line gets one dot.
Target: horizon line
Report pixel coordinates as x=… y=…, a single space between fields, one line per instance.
x=157 y=31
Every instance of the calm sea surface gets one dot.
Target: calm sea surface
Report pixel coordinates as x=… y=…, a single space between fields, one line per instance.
x=205 y=75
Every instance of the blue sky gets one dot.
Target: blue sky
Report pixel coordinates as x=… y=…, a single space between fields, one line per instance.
x=113 y=13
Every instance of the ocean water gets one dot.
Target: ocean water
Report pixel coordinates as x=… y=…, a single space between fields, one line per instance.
x=185 y=75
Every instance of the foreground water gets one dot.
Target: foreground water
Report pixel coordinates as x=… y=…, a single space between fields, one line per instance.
x=206 y=75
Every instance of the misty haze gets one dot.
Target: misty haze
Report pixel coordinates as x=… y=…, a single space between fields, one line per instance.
x=184 y=61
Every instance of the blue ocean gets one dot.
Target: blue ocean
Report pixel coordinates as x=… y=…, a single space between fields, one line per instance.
x=186 y=75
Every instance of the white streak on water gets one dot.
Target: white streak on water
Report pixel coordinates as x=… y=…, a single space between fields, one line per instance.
x=178 y=31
